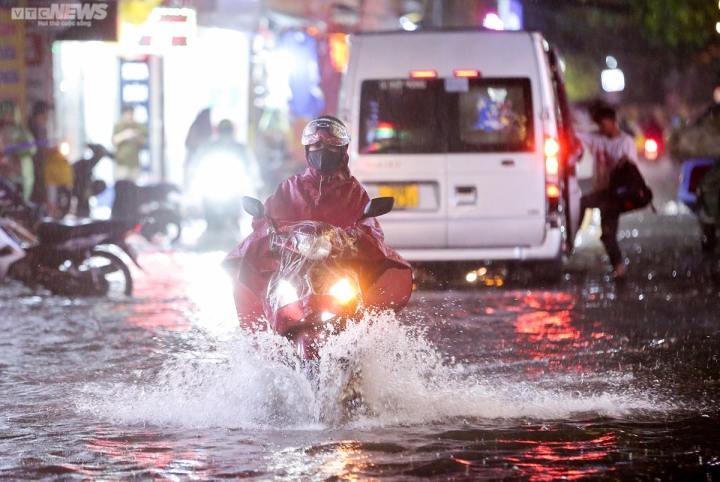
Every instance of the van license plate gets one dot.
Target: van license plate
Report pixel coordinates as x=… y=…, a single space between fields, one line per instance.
x=406 y=195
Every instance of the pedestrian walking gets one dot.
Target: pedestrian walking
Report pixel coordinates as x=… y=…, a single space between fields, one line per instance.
x=610 y=146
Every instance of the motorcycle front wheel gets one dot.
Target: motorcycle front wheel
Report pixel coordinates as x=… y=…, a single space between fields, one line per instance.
x=162 y=233
x=162 y=226
x=104 y=274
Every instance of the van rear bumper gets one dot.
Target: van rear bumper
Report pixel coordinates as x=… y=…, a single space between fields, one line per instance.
x=550 y=249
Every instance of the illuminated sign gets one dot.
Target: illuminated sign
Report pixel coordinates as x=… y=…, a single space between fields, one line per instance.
x=166 y=27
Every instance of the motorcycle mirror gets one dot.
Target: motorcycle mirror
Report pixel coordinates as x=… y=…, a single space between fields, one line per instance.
x=253 y=207
x=378 y=206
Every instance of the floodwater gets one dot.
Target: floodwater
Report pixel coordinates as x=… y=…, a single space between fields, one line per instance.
x=589 y=379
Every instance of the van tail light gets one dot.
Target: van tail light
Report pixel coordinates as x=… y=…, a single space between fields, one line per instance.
x=466 y=73
x=553 y=191
x=553 y=197
x=551 y=149
x=551 y=165
x=423 y=74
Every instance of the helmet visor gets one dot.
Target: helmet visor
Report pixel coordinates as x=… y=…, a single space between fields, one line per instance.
x=326 y=130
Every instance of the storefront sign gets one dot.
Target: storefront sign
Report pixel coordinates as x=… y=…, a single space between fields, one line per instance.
x=12 y=58
x=165 y=28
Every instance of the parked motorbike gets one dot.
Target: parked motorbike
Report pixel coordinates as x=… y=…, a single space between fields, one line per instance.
x=699 y=190
x=316 y=285
x=67 y=259
x=85 y=185
x=708 y=207
x=152 y=206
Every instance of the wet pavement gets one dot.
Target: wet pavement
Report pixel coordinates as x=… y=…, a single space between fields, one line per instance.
x=589 y=378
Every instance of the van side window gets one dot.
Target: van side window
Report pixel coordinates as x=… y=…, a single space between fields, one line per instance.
x=400 y=116
x=429 y=116
x=493 y=115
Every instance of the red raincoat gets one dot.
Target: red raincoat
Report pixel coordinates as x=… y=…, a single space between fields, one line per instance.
x=339 y=200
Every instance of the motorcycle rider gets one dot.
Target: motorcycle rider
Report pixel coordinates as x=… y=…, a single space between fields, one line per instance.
x=324 y=192
x=223 y=171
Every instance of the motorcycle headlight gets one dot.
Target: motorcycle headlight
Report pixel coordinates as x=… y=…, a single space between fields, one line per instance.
x=343 y=291
x=220 y=176
x=314 y=247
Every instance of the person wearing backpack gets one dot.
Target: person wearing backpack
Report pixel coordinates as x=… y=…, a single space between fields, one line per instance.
x=611 y=147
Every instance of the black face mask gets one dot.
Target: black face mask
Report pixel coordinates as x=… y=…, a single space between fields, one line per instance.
x=326 y=161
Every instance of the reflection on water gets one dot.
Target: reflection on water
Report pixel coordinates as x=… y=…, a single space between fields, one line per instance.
x=550 y=319
x=553 y=457
x=179 y=289
x=149 y=453
x=489 y=384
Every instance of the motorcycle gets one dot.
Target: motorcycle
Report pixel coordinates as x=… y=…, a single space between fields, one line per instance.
x=708 y=208
x=318 y=283
x=152 y=206
x=85 y=185
x=67 y=259
x=699 y=190
x=221 y=175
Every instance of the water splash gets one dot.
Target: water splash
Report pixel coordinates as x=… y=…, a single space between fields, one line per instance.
x=378 y=372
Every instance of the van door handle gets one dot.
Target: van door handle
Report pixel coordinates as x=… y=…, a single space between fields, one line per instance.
x=507 y=162
x=465 y=195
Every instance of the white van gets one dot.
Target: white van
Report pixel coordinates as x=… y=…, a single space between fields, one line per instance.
x=470 y=131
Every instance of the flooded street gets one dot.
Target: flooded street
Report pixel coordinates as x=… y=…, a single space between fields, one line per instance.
x=588 y=379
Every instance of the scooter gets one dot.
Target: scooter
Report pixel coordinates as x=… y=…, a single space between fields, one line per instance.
x=220 y=178
x=708 y=207
x=84 y=183
x=152 y=207
x=315 y=286
x=67 y=259
x=699 y=190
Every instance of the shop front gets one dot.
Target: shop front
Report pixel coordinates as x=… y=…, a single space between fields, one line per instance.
x=169 y=68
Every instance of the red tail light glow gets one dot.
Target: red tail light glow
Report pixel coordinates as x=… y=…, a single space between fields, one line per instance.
x=651 y=145
x=551 y=150
x=553 y=191
x=423 y=74
x=651 y=149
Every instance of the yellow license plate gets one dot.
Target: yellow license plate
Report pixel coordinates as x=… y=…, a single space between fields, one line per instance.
x=406 y=195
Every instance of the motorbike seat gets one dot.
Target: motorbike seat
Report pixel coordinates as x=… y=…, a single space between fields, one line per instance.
x=58 y=232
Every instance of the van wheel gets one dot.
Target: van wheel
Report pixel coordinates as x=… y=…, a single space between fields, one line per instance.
x=567 y=238
x=548 y=273
x=433 y=276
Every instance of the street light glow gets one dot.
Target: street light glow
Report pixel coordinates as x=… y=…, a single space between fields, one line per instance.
x=493 y=22
x=612 y=80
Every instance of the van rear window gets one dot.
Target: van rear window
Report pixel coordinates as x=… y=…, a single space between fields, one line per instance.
x=426 y=116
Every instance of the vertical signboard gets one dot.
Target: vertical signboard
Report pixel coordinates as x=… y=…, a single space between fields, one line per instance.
x=12 y=57
x=135 y=91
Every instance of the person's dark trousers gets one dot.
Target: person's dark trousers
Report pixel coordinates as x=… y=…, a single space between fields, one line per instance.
x=39 y=191
x=609 y=222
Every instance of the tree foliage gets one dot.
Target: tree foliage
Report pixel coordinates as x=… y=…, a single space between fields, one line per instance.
x=679 y=24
